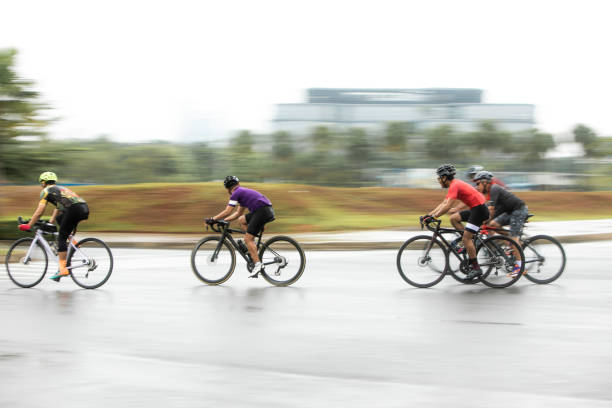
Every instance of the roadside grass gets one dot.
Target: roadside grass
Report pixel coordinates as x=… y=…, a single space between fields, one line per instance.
x=182 y=207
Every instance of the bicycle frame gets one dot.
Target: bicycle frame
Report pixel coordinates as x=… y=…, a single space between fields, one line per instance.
x=39 y=238
x=437 y=234
x=226 y=234
x=486 y=230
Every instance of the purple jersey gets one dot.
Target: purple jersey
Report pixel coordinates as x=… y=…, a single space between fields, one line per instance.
x=251 y=199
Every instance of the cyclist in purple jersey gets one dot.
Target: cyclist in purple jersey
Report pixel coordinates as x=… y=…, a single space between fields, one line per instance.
x=260 y=213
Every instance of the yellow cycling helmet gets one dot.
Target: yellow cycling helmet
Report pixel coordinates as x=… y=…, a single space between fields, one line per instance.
x=47 y=176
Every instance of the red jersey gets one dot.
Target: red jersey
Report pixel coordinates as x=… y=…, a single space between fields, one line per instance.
x=495 y=180
x=463 y=191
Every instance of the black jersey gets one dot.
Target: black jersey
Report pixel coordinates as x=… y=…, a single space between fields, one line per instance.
x=503 y=200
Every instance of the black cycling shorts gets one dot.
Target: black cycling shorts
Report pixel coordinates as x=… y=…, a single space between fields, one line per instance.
x=256 y=220
x=477 y=216
x=68 y=221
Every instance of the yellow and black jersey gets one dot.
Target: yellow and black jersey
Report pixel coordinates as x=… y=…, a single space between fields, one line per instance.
x=59 y=196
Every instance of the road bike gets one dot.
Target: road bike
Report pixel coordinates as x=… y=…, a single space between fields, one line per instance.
x=423 y=261
x=213 y=258
x=544 y=255
x=89 y=260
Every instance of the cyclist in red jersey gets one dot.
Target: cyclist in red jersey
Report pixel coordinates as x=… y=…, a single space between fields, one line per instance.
x=460 y=191
x=462 y=213
x=473 y=170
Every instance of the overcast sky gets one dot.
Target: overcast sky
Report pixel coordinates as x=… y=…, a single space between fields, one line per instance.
x=175 y=70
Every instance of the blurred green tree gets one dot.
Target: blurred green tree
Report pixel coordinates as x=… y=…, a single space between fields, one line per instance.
x=203 y=162
x=283 y=145
x=242 y=143
x=443 y=144
x=537 y=144
x=397 y=135
x=489 y=138
x=321 y=139
x=588 y=139
x=358 y=148
x=147 y=163
x=20 y=117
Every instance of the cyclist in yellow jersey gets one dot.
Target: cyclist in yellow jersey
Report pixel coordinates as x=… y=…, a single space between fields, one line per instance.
x=70 y=210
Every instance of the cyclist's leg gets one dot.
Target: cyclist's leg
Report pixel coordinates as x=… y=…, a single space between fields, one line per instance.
x=68 y=224
x=243 y=220
x=457 y=218
x=249 y=239
x=517 y=220
x=477 y=216
x=255 y=223
x=499 y=221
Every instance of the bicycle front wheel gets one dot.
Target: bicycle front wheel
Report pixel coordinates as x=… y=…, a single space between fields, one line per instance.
x=26 y=270
x=422 y=261
x=544 y=259
x=497 y=256
x=283 y=259
x=91 y=264
x=213 y=261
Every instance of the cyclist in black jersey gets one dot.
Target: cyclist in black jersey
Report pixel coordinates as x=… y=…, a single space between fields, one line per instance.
x=70 y=210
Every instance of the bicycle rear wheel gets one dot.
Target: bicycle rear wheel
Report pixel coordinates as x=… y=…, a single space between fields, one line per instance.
x=210 y=265
x=91 y=264
x=422 y=261
x=283 y=259
x=497 y=259
x=26 y=273
x=544 y=259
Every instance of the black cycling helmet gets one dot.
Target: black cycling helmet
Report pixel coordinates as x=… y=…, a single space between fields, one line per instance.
x=473 y=170
x=446 y=170
x=483 y=175
x=231 y=181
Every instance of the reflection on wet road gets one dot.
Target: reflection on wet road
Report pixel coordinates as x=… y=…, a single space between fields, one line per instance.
x=350 y=332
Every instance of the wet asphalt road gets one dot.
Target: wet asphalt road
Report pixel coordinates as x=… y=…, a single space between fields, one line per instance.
x=349 y=333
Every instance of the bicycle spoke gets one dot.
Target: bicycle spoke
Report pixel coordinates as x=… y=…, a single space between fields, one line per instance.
x=26 y=264
x=91 y=264
x=544 y=259
x=497 y=258
x=422 y=262
x=213 y=262
x=284 y=260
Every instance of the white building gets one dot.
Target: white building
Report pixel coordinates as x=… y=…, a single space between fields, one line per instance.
x=425 y=108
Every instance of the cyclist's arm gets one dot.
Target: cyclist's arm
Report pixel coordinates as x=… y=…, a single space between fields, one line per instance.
x=491 y=215
x=39 y=211
x=53 y=216
x=228 y=210
x=443 y=208
x=435 y=210
x=239 y=211
x=462 y=206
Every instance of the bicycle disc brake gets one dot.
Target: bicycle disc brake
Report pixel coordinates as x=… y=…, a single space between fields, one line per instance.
x=424 y=261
